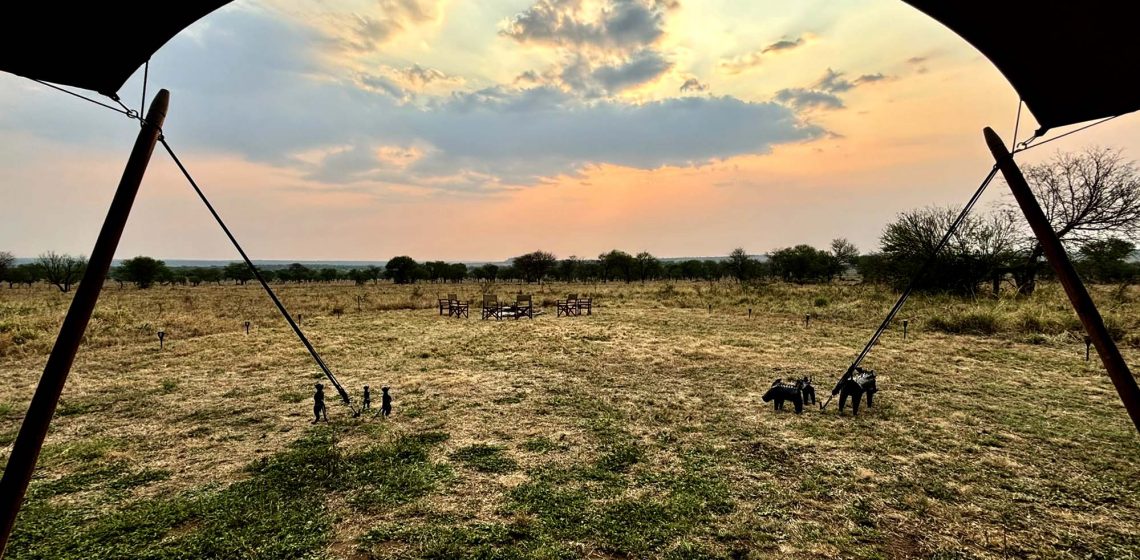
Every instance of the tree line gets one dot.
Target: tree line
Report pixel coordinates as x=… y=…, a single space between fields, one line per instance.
x=1092 y=199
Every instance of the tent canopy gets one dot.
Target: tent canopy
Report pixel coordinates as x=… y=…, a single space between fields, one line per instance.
x=1069 y=61
x=91 y=45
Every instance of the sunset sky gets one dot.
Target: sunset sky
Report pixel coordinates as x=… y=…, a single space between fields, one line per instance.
x=480 y=130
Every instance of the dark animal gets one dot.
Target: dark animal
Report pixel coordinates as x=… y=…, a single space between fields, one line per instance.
x=808 y=390
x=367 y=400
x=781 y=392
x=385 y=402
x=319 y=404
x=860 y=382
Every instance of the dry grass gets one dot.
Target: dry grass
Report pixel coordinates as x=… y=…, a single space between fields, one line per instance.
x=635 y=432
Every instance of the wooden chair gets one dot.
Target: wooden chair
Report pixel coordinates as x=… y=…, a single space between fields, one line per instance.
x=587 y=304
x=445 y=304
x=524 y=306
x=567 y=307
x=492 y=307
x=460 y=309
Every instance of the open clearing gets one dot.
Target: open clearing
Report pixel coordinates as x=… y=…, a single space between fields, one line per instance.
x=635 y=432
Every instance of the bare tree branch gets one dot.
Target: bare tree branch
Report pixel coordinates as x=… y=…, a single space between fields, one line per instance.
x=1088 y=195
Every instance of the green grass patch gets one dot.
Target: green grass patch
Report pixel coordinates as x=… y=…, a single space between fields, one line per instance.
x=445 y=539
x=669 y=508
x=395 y=473
x=82 y=451
x=139 y=479
x=541 y=444
x=485 y=458
x=72 y=407
x=510 y=399
x=279 y=512
x=292 y=397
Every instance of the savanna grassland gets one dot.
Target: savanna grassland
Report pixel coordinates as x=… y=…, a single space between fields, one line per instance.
x=635 y=432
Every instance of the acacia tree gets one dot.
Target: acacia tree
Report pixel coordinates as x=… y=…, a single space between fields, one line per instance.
x=980 y=245
x=1087 y=195
x=489 y=272
x=6 y=260
x=533 y=267
x=438 y=270
x=1106 y=260
x=238 y=272
x=374 y=273
x=802 y=263
x=27 y=274
x=648 y=266
x=568 y=269
x=143 y=271
x=61 y=270
x=617 y=264
x=844 y=251
x=402 y=269
x=741 y=265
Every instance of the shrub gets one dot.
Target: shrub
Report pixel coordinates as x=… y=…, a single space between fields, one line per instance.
x=976 y=321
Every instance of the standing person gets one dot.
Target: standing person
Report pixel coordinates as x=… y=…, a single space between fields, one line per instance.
x=367 y=400
x=319 y=404
x=385 y=402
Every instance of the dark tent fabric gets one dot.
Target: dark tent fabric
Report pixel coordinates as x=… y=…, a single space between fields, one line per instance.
x=91 y=45
x=1069 y=61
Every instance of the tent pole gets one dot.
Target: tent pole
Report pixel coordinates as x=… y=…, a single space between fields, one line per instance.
x=1063 y=268
x=26 y=449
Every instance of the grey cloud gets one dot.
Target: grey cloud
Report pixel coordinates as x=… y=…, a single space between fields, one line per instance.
x=802 y=98
x=421 y=76
x=642 y=68
x=606 y=49
x=508 y=100
x=870 y=78
x=553 y=135
x=273 y=105
x=590 y=79
x=345 y=165
x=530 y=77
x=386 y=85
x=834 y=82
x=623 y=24
x=498 y=137
x=823 y=94
x=403 y=84
x=916 y=60
x=397 y=15
x=693 y=85
x=747 y=61
x=368 y=32
x=783 y=45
